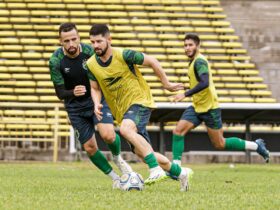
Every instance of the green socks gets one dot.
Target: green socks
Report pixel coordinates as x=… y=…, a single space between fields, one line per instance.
x=151 y=160
x=115 y=147
x=101 y=162
x=175 y=170
x=178 y=146
x=234 y=143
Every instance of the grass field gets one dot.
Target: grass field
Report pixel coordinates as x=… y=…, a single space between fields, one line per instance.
x=82 y=186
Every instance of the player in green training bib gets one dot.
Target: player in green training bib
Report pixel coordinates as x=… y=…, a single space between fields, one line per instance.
x=115 y=72
x=205 y=108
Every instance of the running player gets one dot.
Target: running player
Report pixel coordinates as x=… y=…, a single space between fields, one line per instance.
x=205 y=108
x=114 y=71
x=69 y=75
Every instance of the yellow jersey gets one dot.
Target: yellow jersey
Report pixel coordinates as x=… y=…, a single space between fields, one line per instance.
x=121 y=82
x=207 y=98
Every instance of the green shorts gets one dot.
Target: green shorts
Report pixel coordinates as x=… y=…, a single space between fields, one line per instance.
x=212 y=118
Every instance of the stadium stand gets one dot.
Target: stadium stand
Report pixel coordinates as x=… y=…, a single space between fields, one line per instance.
x=28 y=36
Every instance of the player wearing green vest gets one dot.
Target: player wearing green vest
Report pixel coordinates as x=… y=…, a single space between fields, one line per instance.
x=128 y=95
x=205 y=108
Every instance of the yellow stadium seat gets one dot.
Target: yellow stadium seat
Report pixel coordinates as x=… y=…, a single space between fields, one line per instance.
x=225 y=99
x=265 y=100
x=213 y=9
x=261 y=93
x=6 y=90
x=37 y=113
x=230 y=79
x=243 y=100
x=44 y=84
x=119 y=21
x=49 y=98
x=224 y=30
x=9 y=40
x=204 y=29
x=45 y=90
x=39 y=69
x=160 y=22
x=16 y=5
x=21 y=76
x=154 y=50
x=197 y=15
x=239 y=92
x=5 y=76
x=125 y=28
x=10 y=55
x=248 y=72
x=31 y=55
x=25 y=83
x=236 y=51
x=144 y=28
x=4 y=69
x=20 y=12
x=19 y=19
x=216 y=16
x=16 y=126
x=8 y=97
x=35 y=62
x=29 y=41
x=234 y=85
x=147 y=35
x=244 y=65
x=7 y=33
x=140 y=21
x=256 y=86
x=41 y=76
x=24 y=90
x=252 y=79
x=151 y=43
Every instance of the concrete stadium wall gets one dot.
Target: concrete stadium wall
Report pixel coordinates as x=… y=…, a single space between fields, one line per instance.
x=257 y=24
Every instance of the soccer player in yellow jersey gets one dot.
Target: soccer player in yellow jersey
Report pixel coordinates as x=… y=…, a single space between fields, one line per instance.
x=205 y=108
x=114 y=71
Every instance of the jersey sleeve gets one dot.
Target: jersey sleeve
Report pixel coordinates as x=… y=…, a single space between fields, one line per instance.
x=133 y=57
x=90 y=74
x=201 y=67
x=56 y=76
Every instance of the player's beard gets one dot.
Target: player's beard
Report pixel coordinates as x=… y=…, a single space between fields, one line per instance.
x=192 y=55
x=103 y=52
x=73 y=51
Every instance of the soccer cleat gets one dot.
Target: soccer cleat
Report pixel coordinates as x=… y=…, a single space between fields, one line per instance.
x=262 y=149
x=116 y=184
x=122 y=165
x=185 y=179
x=156 y=175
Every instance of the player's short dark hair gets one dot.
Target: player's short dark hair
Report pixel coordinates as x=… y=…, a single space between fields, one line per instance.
x=99 y=29
x=193 y=37
x=65 y=27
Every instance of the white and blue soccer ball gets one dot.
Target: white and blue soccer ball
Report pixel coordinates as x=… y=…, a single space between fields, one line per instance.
x=132 y=181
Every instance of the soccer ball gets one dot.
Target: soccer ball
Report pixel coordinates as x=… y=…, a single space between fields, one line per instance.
x=131 y=181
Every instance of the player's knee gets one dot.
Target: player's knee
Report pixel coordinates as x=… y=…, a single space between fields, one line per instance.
x=125 y=131
x=109 y=137
x=90 y=148
x=178 y=131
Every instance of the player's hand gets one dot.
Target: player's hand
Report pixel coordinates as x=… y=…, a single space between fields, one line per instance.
x=97 y=111
x=178 y=97
x=80 y=90
x=171 y=86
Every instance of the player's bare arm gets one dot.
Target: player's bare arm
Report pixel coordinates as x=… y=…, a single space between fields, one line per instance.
x=96 y=97
x=155 y=65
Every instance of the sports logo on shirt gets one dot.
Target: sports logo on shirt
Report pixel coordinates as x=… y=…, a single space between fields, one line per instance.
x=84 y=64
x=111 y=81
x=66 y=70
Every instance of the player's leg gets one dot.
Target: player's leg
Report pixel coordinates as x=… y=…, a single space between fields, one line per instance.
x=111 y=138
x=133 y=129
x=187 y=122
x=213 y=122
x=175 y=171
x=84 y=129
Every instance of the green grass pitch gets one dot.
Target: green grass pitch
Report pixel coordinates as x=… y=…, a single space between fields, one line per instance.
x=82 y=186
